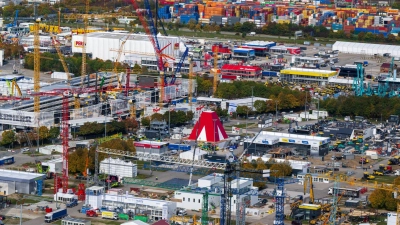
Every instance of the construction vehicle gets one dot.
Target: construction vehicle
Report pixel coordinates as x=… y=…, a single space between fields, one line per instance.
x=368 y=176
x=109 y=215
x=91 y=213
x=72 y=203
x=363 y=160
x=394 y=161
x=378 y=172
x=56 y=215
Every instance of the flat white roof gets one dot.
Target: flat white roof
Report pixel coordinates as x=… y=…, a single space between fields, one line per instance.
x=243 y=49
x=275 y=136
x=152 y=142
x=19 y=174
x=259 y=43
x=54 y=160
x=309 y=70
x=209 y=99
x=246 y=100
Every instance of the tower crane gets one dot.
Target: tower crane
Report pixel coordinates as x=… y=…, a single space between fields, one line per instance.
x=66 y=94
x=146 y=19
x=215 y=70
x=115 y=69
x=36 y=66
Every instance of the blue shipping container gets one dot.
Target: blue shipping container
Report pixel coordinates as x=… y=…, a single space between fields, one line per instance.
x=179 y=147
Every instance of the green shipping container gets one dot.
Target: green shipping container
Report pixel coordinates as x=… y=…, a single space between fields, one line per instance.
x=141 y=218
x=123 y=216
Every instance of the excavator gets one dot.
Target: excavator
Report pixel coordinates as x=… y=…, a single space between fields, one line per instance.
x=44 y=170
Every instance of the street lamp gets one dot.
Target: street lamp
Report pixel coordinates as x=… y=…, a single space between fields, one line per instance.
x=20 y=215
x=214 y=130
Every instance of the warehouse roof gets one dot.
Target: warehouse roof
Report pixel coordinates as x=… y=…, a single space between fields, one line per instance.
x=309 y=72
x=112 y=35
x=12 y=175
x=259 y=43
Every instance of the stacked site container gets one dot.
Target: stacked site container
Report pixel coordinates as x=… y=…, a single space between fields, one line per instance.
x=164 y=12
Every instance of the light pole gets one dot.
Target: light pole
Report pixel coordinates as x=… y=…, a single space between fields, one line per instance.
x=305 y=107
x=276 y=115
x=20 y=215
x=214 y=130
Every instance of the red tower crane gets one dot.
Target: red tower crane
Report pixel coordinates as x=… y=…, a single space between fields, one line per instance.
x=65 y=93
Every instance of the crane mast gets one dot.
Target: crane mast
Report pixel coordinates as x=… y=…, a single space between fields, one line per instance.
x=36 y=67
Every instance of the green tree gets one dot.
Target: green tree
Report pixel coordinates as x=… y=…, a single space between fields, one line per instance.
x=145 y=122
x=260 y=106
x=242 y=110
x=157 y=116
x=8 y=137
x=54 y=132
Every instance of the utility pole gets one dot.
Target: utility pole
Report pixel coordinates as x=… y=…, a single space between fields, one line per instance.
x=276 y=114
x=305 y=108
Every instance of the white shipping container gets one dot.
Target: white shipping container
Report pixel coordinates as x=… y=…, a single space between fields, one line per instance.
x=118 y=167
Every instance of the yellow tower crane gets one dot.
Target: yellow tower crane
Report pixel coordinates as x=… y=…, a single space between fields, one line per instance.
x=308 y=180
x=215 y=84
x=85 y=20
x=116 y=62
x=36 y=66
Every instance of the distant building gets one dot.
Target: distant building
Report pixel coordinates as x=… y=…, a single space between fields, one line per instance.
x=12 y=181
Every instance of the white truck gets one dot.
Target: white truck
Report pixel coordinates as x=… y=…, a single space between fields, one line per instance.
x=109 y=215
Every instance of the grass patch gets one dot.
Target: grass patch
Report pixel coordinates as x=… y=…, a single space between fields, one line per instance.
x=143 y=176
x=385 y=179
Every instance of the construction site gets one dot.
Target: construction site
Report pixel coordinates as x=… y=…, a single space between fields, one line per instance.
x=282 y=166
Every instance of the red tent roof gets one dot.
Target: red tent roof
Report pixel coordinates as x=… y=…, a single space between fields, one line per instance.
x=208 y=128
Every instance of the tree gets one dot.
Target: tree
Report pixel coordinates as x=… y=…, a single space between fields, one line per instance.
x=157 y=116
x=242 y=110
x=43 y=133
x=8 y=137
x=377 y=199
x=281 y=170
x=192 y=24
x=131 y=125
x=54 y=132
x=145 y=121
x=198 y=27
x=260 y=106
x=260 y=164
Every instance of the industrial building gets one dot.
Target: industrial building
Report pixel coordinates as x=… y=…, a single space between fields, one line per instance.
x=261 y=48
x=12 y=181
x=192 y=198
x=118 y=167
x=151 y=147
x=138 y=49
x=366 y=48
x=155 y=209
x=350 y=130
x=237 y=72
x=300 y=75
x=304 y=145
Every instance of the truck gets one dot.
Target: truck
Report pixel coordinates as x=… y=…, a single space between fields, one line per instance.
x=72 y=203
x=91 y=213
x=270 y=74
x=109 y=215
x=56 y=215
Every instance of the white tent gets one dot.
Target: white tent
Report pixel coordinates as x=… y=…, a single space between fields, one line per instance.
x=366 y=49
x=198 y=155
x=135 y=222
